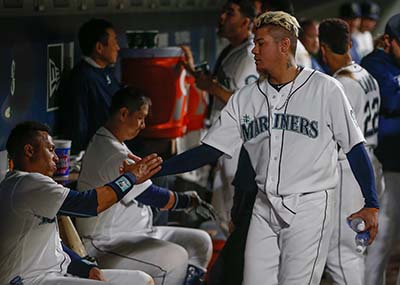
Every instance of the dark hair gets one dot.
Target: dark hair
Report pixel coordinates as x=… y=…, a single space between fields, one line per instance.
x=304 y=24
x=23 y=134
x=278 y=5
x=128 y=97
x=91 y=32
x=247 y=7
x=335 y=33
x=350 y=10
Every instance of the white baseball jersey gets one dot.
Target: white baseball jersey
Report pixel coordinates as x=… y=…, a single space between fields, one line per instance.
x=344 y=264
x=365 y=42
x=100 y=165
x=303 y=57
x=290 y=135
x=237 y=69
x=124 y=236
x=30 y=244
x=362 y=90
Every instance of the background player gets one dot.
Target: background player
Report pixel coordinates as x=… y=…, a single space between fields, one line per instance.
x=124 y=237
x=30 y=249
x=384 y=65
x=234 y=69
x=344 y=264
x=294 y=155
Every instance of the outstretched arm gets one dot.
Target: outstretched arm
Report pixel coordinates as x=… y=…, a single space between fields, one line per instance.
x=190 y=160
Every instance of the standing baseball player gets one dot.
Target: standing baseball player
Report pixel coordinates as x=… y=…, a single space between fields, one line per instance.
x=30 y=247
x=290 y=122
x=384 y=65
x=344 y=264
x=124 y=237
x=234 y=69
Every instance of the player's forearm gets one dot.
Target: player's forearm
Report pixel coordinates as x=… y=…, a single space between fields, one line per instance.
x=220 y=92
x=363 y=172
x=163 y=198
x=190 y=160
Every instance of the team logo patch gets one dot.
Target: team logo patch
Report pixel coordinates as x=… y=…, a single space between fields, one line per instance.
x=250 y=79
x=123 y=183
x=246 y=119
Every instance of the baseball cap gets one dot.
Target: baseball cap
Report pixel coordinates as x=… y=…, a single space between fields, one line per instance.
x=393 y=27
x=350 y=10
x=370 y=10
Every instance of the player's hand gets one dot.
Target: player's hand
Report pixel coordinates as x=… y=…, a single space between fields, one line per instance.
x=135 y=158
x=370 y=216
x=96 y=274
x=188 y=64
x=204 y=81
x=145 y=168
x=231 y=227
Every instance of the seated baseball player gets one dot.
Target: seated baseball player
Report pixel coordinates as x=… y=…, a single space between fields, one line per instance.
x=125 y=237
x=30 y=247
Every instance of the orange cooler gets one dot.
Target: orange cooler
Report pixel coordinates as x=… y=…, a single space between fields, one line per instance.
x=197 y=109
x=158 y=73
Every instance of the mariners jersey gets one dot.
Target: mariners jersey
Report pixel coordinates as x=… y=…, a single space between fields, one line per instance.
x=30 y=244
x=362 y=91
x=290 y=135
x=100 y=165
x=236 y=69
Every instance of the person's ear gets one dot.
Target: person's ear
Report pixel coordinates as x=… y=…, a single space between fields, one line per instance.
x=285 y=45
x=99 y=47
x=29 y=150
x=387 y=40
x=123 y=113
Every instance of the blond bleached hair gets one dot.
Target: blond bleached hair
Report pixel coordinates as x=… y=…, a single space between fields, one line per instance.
x=280 y=19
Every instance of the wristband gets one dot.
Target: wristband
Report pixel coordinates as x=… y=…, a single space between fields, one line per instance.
x=182 y=201
x=123 y=184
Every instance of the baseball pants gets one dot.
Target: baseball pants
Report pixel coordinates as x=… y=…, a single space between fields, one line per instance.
x=277 y=253
x=164 y=253
x=115 y=277
x=344 y=264
x=379 y=251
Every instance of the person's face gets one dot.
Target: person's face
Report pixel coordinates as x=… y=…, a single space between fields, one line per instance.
x=231 y=21
x=310 y=38
x=135 y=121
x=395 y=49
x=367 y=24
x=266 y=50
x=43 y=159
x=354 y=24
x=109 y=52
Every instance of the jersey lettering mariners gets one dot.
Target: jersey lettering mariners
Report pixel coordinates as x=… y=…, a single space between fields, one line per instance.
x=362 y=90
x=281 y=129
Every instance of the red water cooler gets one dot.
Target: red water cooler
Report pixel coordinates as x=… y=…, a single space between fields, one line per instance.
x=158 y=73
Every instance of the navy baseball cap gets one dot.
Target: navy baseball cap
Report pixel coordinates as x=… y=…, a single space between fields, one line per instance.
x=393 y=27
x=350 y=10
x=370 y=10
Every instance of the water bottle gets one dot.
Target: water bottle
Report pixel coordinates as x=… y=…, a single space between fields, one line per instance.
x=357 y=224
x=362 y=240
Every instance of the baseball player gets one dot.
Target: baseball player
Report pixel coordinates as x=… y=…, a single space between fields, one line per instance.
x=290 y=123
x=383 y=64
x=124 y=237
x=30 y=247
x=234 y=69
x=344 y=264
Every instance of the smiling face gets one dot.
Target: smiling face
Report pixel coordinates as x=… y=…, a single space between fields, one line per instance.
x=41 y=155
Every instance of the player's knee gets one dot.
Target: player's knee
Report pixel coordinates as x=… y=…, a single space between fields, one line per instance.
x=202 y=246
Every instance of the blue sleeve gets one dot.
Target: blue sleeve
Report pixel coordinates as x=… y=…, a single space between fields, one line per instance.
x=190 y=160
x=78 y=266
x=80 y=204
x=363 y=172
x=154 y=196
x=388 y=85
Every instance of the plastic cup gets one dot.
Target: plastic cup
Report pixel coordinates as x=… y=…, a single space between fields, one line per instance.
x=63 y=150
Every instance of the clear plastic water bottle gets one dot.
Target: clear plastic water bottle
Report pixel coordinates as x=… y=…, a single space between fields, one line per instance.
x=357 y=224
x=362 y=240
